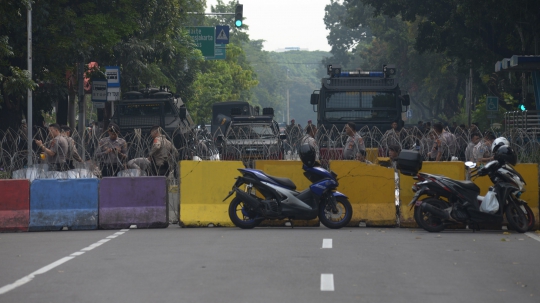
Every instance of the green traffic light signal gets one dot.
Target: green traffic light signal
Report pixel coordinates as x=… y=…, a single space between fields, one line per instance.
x=522 y=107
x=238 y=15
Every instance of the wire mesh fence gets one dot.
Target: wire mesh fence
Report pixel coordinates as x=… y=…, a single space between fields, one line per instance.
x=246 y=145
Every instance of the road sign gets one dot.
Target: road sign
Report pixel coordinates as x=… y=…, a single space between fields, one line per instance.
x=99 y=90
x=409 y=113
x=204 y=38
x=492 y=103
x=219 y=53
x=113 y=93
x=113 y=76
x=222 y=34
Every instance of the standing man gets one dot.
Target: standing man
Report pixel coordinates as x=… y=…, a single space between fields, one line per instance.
x=294 y=133
x=57 y=149
x=354 y=142
x=445 y=144
x=72 y=153
x=469 y=151
x=158 y=157
x=309 y=139
x=482 y=150
x=112 y=151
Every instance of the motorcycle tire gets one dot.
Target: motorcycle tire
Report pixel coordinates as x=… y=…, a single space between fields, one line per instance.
x=517 y=219
x=341 y=218
x=428 y=221
x=530 y=217
x=239 y=214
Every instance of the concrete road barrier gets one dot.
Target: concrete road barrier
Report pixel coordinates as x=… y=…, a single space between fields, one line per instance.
x=203 y=186
x=371 y=191
x=14 y=205
x=140 y=201
x=71 y=203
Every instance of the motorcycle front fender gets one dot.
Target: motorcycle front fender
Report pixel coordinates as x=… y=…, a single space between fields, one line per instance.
x=338 y=194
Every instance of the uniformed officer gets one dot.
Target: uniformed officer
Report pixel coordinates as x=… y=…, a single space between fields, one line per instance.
x=56 y=150
x=113 y=152
x=72 y=154
x=157 y=161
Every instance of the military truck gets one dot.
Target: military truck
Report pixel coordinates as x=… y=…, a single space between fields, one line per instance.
x=155 y=106
x=252 y=137
x=152 y=106
x=367 y=98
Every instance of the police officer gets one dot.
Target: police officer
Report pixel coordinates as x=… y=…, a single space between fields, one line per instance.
x=113 y=152
x=72 y=154
x=56 y=150
x=158 y=156
x=354 y=142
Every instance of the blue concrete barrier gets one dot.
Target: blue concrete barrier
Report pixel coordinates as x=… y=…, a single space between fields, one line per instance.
x=71 y=203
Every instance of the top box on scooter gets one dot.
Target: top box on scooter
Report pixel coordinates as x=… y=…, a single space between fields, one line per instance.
x=409 y=162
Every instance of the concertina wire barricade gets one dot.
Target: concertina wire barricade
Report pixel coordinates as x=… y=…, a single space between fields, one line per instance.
x=200 y=145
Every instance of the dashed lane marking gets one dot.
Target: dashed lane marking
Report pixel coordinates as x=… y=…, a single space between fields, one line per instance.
x=327 y=282
x=327 y=243
x=45 y=269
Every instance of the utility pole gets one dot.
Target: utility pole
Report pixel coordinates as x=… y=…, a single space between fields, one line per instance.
x=469 y=94
x=288 y=113
x=29 y=101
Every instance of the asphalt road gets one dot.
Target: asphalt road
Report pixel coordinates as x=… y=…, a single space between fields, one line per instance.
x=269 y=265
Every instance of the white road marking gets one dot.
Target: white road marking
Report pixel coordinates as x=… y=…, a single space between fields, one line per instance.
x=533 y=236
x=119 y=233
x=327 y=282
x=327 y=243
x=111 y=237
x=45 y=269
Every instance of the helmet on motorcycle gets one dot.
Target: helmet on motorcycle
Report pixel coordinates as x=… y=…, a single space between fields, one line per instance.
x=501 y=141
x=307 y=155
x=505 y=155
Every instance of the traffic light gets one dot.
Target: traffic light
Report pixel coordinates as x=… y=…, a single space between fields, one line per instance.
x=522 y=107
x=238 y=15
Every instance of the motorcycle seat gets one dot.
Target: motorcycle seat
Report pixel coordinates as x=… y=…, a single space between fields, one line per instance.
x=284 y=181
x=467 y=185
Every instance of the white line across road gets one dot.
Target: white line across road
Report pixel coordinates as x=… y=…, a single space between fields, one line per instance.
x=45 y=269
x=327 y=243
x=327 y=282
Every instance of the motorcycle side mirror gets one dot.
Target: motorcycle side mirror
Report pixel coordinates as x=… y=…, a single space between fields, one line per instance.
x=470 y=164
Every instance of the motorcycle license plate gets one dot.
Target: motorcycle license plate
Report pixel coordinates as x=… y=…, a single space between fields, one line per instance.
x=415 y=198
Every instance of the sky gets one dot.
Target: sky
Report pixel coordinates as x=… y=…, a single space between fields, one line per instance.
x=285 y=23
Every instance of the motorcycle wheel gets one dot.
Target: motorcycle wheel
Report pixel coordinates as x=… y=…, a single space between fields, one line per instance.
x=339 y=219
x=516 y=218
x=241 y=215
x=530 y=217
x=428 y=221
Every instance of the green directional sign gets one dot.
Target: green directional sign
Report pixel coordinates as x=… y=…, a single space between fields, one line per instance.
x=204 y=37
x=219 y=53
x=492 y=103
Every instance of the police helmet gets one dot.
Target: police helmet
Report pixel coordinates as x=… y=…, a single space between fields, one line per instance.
x=505 y=155
x=497 y=143
x=307 y=155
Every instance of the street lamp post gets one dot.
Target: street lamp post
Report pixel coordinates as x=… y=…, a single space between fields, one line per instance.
x=29 y=101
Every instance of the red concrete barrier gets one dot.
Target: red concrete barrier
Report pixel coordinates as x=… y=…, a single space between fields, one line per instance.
x=14 y=205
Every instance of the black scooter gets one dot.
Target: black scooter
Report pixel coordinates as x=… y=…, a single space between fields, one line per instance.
x=462 y=201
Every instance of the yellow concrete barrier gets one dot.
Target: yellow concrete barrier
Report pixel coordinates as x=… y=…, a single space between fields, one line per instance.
x=286 y=169
x=371 y=191
x=372 y=154
x=203 y=186
x=453 y=170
